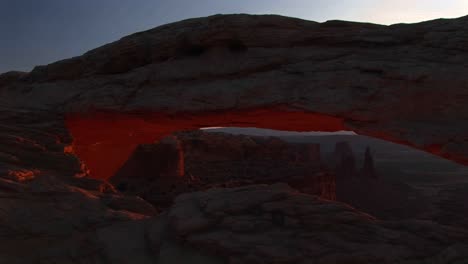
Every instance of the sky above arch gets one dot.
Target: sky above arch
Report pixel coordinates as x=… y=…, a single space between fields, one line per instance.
x=34 y=32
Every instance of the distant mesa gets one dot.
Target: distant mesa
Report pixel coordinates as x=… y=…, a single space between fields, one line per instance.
x=197 y=160
x=344 y=162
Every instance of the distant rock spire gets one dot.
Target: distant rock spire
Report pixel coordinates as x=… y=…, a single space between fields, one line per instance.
x=344 y=161
x=368 y=169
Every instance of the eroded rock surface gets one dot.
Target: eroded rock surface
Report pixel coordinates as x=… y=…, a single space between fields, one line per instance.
x=276 y=224
x=41 y=223
x=453 y=205
x=48 y=204
x=405 y=83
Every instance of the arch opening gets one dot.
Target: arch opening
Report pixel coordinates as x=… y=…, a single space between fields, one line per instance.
x=129 y=150
x=104 y=140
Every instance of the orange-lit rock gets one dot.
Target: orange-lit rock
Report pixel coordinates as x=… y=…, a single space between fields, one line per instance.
x=104 y=141
x=405 y=82
x=23 y=175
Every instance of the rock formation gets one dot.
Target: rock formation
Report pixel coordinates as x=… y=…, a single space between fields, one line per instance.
x=344 y=161
x=363 y=189
x=452 y=207
x=403 y=83
x=368 y=169
x=84 y=116
x=276 y=224
x=196 y=160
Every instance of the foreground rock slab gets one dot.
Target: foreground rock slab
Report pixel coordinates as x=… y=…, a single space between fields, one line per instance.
x=276 y=224
x=251 y=224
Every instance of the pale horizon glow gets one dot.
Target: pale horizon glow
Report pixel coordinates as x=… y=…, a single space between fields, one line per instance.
x=384 y=12
x=253 y=131
x=208 y=128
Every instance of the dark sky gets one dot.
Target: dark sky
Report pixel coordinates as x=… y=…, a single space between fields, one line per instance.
x=36 y=32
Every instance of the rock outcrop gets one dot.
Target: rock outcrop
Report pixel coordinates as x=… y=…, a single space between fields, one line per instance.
x=276 y=224
x=368 y=168
x=452 y=206
x=196 y=160
x=343 y=161
x=252 y=224
x=404 y=82
x=65 y=121
x=50 y=221
x=364 y=190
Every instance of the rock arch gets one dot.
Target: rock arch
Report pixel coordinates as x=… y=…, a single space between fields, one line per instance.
x=405 y=83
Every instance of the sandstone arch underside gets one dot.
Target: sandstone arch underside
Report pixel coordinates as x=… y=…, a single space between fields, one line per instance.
x=406 y=83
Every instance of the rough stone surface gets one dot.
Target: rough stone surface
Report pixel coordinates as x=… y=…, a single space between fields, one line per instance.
x=52 y=224
x=385 y=200
x=453 y=206
x=405 y=83
x=276 y=224
x=49 y=207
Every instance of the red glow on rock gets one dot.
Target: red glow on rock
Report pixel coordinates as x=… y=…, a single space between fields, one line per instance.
x=435 y=149
x=180 y=151
x=68 y=149
x=23 y=175
x=105 y=140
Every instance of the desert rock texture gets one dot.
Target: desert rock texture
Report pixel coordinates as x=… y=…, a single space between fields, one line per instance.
x=66 y=127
